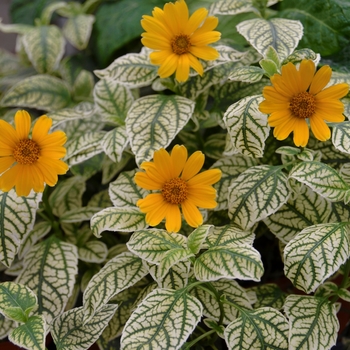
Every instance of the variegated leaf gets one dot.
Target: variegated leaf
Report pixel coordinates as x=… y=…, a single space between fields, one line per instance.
x=17 y=217
x=229 y=236
x=165 y=117
x=83 y=86
x=163 y=320
x=341 y=137
x=315 y=254
x=39 y=91
x=250 y=74
x=78 y=29
x=269 y=294
x=93 y=252
x=79 y=214
x=87 y=162
x=171 y=258
x=124 y=192
x=232 y=262
x=322 y=179
x=30 y=335
x=233 y=7
x=231 y=167
x=71 y=331
x=257 y=193
x=264 y=328
x=153 y=244
x=125 y=219
x=313 y=322
x=50 y=273
x=100 y=199
x=6 y=326
x=44 y=46
x=16 y=301
x=282 y=34
x=133 y=70
x=112 y=101
x=114 y=143
x=197 y=238
x=110 y=169
x=247 y=126
x=302 y=54
x=120 y=273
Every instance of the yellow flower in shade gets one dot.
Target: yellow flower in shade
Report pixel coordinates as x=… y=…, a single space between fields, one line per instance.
x=179 y=40
x=27 y=163
x=180 y=184
x=297 y=96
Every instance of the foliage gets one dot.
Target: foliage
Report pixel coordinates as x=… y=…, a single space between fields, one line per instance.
x=79 y=260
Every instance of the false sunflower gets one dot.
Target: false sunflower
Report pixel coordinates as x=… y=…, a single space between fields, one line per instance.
x=299 y=97
x=27 y=163
x=180 y=184
x=179 y=40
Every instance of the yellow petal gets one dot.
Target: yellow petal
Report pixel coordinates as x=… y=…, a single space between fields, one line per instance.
x=53 y=152
x=202 y=201
x=291 y=78
x=156 y=176
x=274 y=96
x=163 y=163
x=195 y=20
x=151 y=202
x=282 y=131
x=301 y=133
x=55 y=139
x=193 y=165
x=307 y=72
x=173 y=218
x=8 y=134
x=320 y=80
x=195 y=64
x=37 y=179
x=170 y=18
x=269 y=107
x=154 y=25
x=5 y=163
x=155 y=42
x=333 y=92
x=183 y=68
x=24 y=182
x=207 y=177
x=178 y=157
x=50 y=168
x=279 y=117
x=144 y=181
x=9 y=178
x=5 y=150
x=205 y=38
x=159 y=57
x=169 y=66
x=204 y=52
x=329 y=116
x=208 y=25
x=41 y=128
x=191 y=214
x=319 y=128
x=22 y=122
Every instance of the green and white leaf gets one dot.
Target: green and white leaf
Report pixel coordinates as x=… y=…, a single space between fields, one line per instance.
x=153 y=244
x=79 y=214
x=269 y=66
x=231 y=167
x=40 y=230
x=247 y=126
x=232 y=292
x=120 y=273
x=50 y=272
x=232 y=7
x=83 y=86
x=305 y=209
x=250 y=74
x=264 y=328
x=30 y=335
x=100 y=199
x=93 y=252
x=133 y=70
x=16 y=301
x=269 y=294
x=44 y=46
x=110 y=169
x=112 y=101
x=16 y=28
x=344 y=294
x=257 y=193
x=282 y=34
x=67 y=195
x=125 y=219
x=231 y=262
x=229 y=236
x=71 y=331
x=77 y=30
x=313 y=322
x=87 y=162
x=114 y=143
x=322 y=179
x=39 y=91
x=197 y=238
x=166 y=116
x=17 y=217
x=302 y=54
x=315 y=254
x=171 y=317
x=124 y=192
x=341 y=137
x=6 y=325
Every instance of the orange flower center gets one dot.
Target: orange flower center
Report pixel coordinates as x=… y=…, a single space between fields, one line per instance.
x=303 y=105
x=26 y=152
x=181 y=44
x=175 y=191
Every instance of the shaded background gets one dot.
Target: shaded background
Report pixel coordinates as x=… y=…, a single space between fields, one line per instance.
x=7 y=41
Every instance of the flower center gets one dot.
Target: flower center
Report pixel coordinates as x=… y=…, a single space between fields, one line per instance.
x=303 y=105
x=175 y=191
x=181 y=44
x=26 y=152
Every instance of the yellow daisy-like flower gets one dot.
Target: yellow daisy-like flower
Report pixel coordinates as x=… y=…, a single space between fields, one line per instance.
x=298 y=96
x=179 y=183
x=179 y=40
x=27 y=163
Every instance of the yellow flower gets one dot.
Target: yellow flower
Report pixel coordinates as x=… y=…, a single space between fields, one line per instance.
x=29 y=162
x=179 y=183
x=300 y=95
x=179 y=40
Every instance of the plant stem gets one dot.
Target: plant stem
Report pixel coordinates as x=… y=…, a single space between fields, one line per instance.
x=204 y=335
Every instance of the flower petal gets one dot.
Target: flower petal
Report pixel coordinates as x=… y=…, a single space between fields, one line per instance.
x=307 y=71
x=202 y=201
x=178 y=157
x=291 y=78
x=320 y=80
x=5 y=163
x=163 y=164
x=195 y=64
x=22 y=122
x=195 y=20
x=319 y=128
x=204 y=52
x=155 y=42
x=205 y=38
x=183 y=68
x=207 y=177
x=9 y=178
x=142 y=180
x=193 y=165
x=55 y=139
x=169 y=66
x=155 y=208
x=208 y=25
x=173 y=218
x=8 y=134
x=301 y=133
x=191 y=214
x=41 y=128
x=333 y=92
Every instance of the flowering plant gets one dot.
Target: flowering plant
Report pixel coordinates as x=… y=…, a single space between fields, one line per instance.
x=186 y=180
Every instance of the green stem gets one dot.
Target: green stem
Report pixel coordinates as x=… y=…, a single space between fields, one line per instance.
x=204 y=335
x=345 y=280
